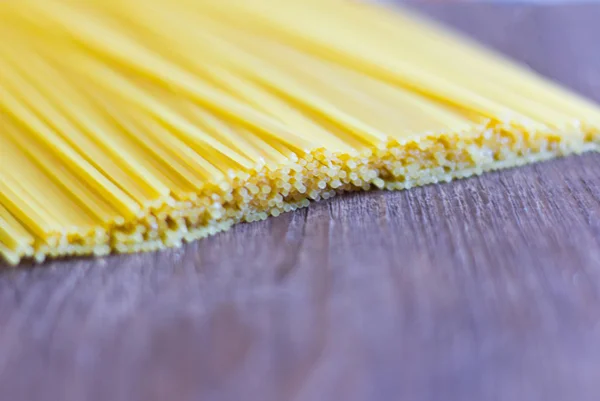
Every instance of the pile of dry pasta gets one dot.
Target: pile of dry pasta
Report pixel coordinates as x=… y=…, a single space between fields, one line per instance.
x=134 y=125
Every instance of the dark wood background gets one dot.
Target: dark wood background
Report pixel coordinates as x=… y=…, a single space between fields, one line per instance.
x=482 y=289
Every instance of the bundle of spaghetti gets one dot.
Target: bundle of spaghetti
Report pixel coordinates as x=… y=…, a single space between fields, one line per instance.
x=134 y=125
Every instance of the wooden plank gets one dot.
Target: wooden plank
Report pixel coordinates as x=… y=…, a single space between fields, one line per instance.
x=482 y=289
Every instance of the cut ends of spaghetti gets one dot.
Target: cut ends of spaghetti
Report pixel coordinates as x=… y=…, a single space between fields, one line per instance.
x=131 y=126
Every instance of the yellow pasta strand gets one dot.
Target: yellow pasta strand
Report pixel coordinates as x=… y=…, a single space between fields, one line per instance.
x=130 y=125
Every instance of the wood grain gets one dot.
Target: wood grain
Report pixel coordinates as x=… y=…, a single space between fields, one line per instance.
x=482 y=289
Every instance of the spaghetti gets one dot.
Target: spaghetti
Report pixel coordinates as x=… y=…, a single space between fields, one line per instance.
x=132 y=126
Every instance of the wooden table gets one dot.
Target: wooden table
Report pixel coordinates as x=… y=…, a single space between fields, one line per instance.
x=482 y=289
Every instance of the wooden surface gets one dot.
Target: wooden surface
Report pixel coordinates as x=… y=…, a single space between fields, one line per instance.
x=483 y=289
